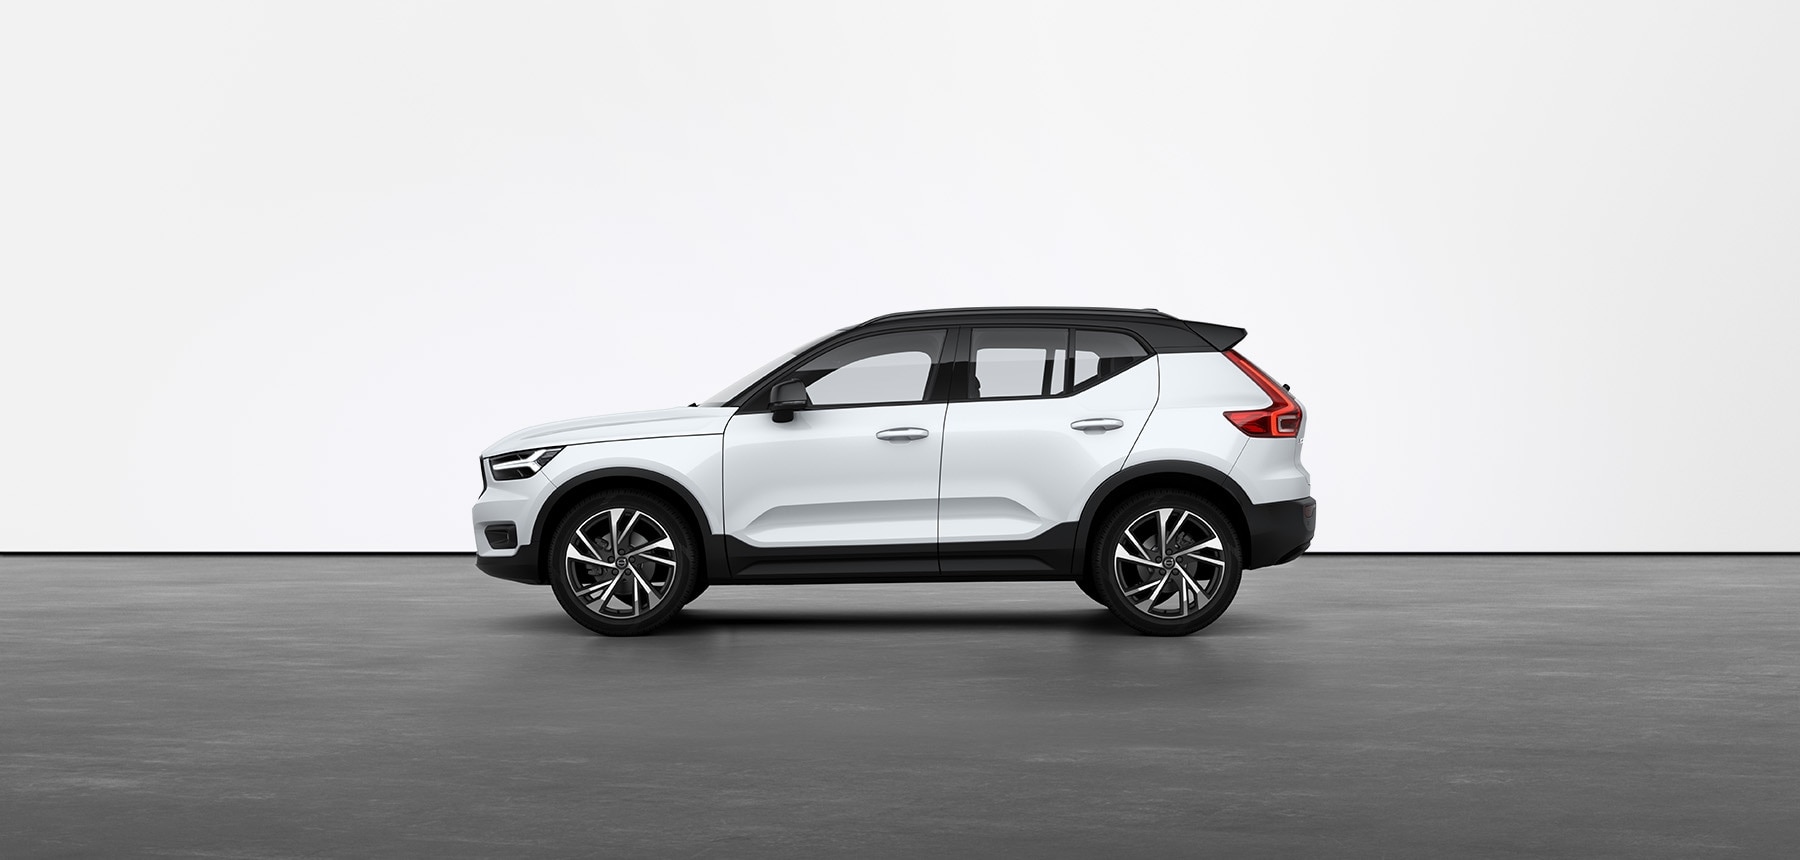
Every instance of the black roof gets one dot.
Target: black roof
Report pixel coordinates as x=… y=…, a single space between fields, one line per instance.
x=1163 y=332
x=1022 y=310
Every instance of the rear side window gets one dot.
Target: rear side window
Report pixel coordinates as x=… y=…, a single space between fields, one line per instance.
x=1047 y=362
x=1019 y=362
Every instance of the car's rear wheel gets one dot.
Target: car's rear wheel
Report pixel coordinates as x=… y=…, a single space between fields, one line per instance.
x=1167 y=562
x=623 y=562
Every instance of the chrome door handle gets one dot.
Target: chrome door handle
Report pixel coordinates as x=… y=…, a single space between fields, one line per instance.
x=902 y=434
x=1102 y=424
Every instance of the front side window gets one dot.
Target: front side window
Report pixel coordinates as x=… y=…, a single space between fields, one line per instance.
x=885 y=368
x=736 y=388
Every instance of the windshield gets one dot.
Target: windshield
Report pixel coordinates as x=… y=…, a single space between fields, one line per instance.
x=754 y=376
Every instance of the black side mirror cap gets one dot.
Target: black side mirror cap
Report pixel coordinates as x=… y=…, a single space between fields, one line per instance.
x=786 y=397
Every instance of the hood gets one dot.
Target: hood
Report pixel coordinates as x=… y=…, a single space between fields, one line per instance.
x=682 y=421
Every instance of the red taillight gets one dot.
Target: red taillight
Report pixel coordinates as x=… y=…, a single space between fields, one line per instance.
x=1280 y=419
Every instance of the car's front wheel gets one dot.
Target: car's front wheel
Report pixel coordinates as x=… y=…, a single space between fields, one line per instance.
x=1167 y=562
x=623 y=562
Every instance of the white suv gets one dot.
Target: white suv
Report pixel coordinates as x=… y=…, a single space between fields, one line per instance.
x=1127 y=450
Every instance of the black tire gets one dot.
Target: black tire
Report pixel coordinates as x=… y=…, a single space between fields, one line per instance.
x=653 y=592
x=1121 y=582
x=699 y=588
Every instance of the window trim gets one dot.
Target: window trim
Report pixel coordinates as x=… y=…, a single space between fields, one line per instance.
x=962 y=371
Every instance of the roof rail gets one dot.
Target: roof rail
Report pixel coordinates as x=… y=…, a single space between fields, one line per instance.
x=1044 y=310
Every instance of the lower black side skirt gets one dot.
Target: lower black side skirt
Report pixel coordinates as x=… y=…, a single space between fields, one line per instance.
x=1047 y=557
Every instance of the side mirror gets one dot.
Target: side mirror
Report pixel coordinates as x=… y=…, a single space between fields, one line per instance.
x=786 y=397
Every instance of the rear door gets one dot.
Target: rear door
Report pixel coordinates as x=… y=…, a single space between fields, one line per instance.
x=1043 y=415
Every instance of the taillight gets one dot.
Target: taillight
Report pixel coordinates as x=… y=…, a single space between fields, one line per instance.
x=1280 y=419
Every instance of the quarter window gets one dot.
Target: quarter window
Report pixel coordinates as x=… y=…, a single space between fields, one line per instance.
x=1103 y=355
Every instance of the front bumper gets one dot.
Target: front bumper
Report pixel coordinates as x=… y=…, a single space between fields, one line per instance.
x=1280 y=531
x=521 y=566
x=503 y=519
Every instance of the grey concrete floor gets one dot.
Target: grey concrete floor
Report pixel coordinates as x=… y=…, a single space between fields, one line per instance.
x=1345 y=706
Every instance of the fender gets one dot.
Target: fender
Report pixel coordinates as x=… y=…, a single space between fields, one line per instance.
x=712 y=544
x=1160 y=467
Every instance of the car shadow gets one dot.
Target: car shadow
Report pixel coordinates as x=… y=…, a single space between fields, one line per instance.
x=1087 y=620
x=549 y=623
x=700 y=620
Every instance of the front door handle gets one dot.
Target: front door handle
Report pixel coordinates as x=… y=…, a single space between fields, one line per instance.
x=1101 y=424
x=902 y=434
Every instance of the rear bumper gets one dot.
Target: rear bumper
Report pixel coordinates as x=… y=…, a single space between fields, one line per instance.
x=1280 y=531
x=521 y=566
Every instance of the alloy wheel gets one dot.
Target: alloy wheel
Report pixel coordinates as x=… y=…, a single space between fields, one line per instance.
x=1169 y=563
x=620 y=563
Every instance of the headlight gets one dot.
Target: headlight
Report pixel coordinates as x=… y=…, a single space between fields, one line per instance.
x=519 y=464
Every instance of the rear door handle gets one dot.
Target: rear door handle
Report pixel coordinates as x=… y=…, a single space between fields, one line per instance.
x=902 y=434
x=1101 y=424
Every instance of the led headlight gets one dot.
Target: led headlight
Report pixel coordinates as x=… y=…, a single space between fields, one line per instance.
x=519 y=464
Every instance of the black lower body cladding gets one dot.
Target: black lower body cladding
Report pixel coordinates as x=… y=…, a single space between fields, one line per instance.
x=1280 y=531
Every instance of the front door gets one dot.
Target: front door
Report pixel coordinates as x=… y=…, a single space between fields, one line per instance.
x=849 y=487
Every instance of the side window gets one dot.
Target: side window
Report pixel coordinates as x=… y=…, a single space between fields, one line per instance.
x=1102 y=355
x=1019 y=362
x=886 y=368
x=1039 y=362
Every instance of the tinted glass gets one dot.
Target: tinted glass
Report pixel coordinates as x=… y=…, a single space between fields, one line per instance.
x=1019 y=362
x=1103 y=354
x=755 y=376
x=886 y=368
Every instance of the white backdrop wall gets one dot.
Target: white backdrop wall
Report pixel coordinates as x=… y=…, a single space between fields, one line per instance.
x=274 y=273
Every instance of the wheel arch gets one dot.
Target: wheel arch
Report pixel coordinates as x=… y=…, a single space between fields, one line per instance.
x=581 y=487
x=1206 y=482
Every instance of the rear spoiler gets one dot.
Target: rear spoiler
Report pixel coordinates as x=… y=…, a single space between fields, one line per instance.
x=1221 y=337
